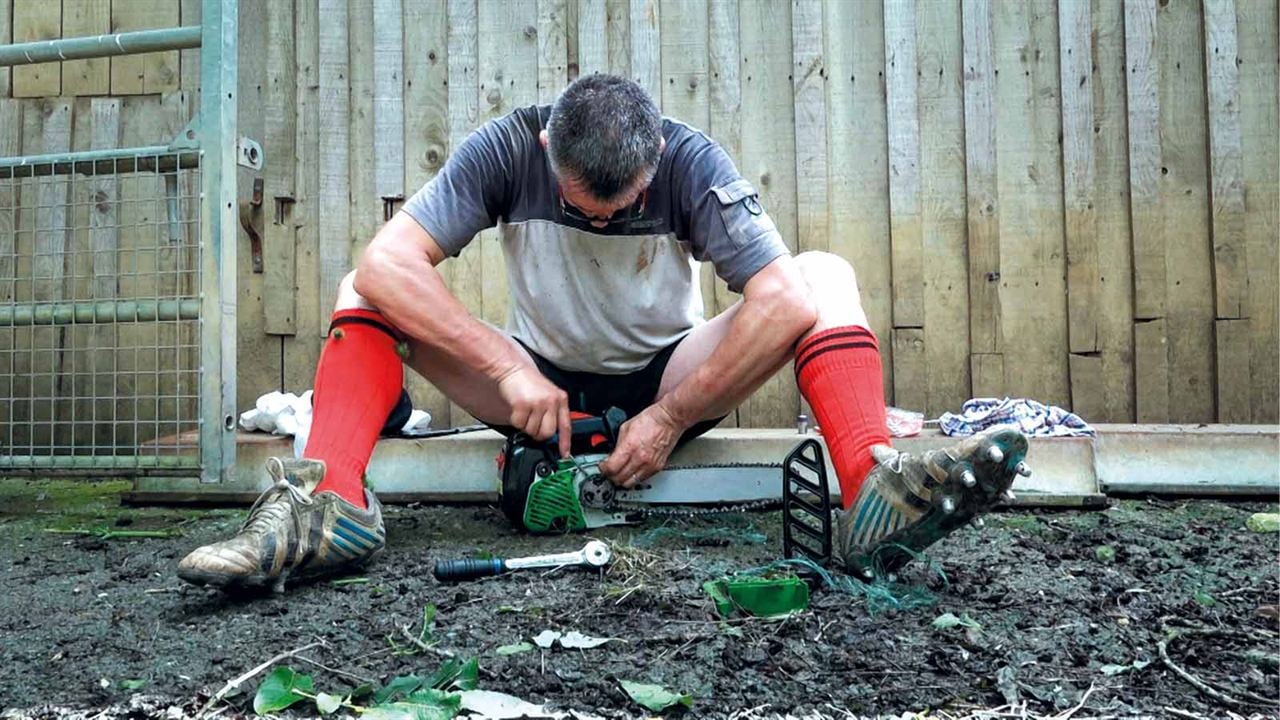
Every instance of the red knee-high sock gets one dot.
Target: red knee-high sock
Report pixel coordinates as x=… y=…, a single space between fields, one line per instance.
x=358 y=382
x=838 y=371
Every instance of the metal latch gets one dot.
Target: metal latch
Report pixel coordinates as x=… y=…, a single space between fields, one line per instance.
x=249 y=153
x=251 y=221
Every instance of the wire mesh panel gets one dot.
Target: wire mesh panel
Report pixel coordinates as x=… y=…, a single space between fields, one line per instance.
x=100 y=314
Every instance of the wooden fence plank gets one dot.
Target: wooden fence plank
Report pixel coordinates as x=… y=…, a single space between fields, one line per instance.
x=426 y=124
x=618 y=30
x=279 y=262
x=646 y=47
x=553 y=52
x=189 y=60
x=809 y=85
x=1230 y=252
x=686 y=87
x=725 y=113
x=301 y=351
x=367 y=209
x=148 y=73
x=335 y=187
x=11 y=126
x=984 y=208
x=902 y=117
x=909 y=368
x=388 y=101
x=940 y=67
x=508 y=72
x=857 y=166
x=1079 y=173
x=593 y=36
x=37 y=20
x=768 y=161
x=104 y=243
x=1185 y=201
x=1029 y=180
x=464 y=271
x=80 y=18
x=1087 y=390
x=1259 y=29
x=1111 y=213
x=1151 y=370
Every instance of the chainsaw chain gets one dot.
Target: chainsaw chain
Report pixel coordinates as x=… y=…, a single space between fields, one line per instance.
x=649 y=510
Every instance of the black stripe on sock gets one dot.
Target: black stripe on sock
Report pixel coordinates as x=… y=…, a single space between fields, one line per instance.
x=857 y=332
x=359 y=320
x=827 y=348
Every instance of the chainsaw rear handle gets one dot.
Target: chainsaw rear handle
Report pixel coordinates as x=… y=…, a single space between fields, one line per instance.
x=591 y=434
x=468 y=569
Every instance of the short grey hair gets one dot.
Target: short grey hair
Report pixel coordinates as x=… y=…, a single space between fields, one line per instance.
x=605 y=132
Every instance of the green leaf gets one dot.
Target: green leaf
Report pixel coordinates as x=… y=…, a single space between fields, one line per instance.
x=397 y=688
x=654 y=697
x=1263 y=522
x=514 y=649
x=132 y=685
x=327 y=703
x=277 y=690
x=1105 y=554
x=1205 y=598
x=946 y=621
x=1110 y=669
x=456 y=674
x=424 y=704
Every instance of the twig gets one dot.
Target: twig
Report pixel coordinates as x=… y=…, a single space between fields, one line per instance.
x=1202 y=686
x=418 y=643
x=1183 y=713
x=335 y=671
x=1083 y=699
x=157 y=591
x=106 y=534
x=237 y=682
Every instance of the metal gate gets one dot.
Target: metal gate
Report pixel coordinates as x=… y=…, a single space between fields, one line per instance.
x=117 y=283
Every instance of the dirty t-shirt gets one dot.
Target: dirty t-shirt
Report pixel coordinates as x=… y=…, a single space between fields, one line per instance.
x=601 y=300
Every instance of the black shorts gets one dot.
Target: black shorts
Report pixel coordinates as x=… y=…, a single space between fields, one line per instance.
x=593 y=393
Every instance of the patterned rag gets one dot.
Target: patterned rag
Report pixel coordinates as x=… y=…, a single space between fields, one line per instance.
x=1031 y=417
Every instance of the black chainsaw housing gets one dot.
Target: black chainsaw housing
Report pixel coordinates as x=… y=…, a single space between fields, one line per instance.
x=525 y=459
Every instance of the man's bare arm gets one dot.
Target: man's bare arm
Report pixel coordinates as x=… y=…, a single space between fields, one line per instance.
x=776 y=310
x=398 y=275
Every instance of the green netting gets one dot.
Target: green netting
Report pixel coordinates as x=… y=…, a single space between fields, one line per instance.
x=717 y=535
x=879 y=595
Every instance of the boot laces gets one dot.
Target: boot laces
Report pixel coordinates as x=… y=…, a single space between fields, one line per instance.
x=272 y=506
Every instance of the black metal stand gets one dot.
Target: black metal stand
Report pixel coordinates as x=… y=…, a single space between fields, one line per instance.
x=806 y=504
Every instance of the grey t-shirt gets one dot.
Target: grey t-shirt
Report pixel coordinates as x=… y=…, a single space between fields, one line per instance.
x=600 y=300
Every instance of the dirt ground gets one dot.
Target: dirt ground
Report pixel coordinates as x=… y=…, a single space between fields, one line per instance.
x=1068 y=610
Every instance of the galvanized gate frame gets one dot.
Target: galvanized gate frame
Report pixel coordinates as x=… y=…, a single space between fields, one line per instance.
x=210 y=137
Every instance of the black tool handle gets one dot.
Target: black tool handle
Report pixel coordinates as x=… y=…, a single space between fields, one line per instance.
x=468 y=569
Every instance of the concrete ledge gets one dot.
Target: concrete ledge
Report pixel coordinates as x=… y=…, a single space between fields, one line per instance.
x=1172 y=459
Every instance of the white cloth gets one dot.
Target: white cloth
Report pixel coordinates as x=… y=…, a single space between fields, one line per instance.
x=288 y=414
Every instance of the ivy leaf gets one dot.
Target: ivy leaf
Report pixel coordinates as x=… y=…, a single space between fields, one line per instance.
x=654 y=697
x=424 y=704
x=397 y=688
x=277 y=690
x=946 y=621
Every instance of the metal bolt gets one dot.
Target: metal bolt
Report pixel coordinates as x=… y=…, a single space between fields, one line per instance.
x=968 y=479
x=802 y=424
x=948 y=505
x=1023 y=470
x=996 y=454
x=1008 y=496
x=979 y=523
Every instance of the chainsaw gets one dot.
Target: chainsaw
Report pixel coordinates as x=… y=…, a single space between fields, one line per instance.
x=544 y=493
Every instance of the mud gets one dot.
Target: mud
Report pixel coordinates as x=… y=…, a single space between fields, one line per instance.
x=1071 y=606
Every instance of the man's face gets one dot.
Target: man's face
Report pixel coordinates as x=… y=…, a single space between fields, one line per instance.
x=599 y=213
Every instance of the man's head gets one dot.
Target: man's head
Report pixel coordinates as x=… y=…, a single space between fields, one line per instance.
x=604 y=140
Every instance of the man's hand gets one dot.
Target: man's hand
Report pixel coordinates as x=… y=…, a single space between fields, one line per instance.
x=538 y=407
x=644 y=443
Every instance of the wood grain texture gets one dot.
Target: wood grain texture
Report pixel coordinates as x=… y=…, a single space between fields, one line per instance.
x=1079 y=177
x=334 y=118
x=1185 y=204
x=1111 y=213
x=464 y=271
x=367 y=210
x=725 y=112
x=593 y=36
x=1151 y=370
x=809 y=85
x=11 y=127
x=1142 y=82
x=1259 y=28
x=388 y=100
x=645 y=47
x=942 y=205
x=768 y=161
x=426 y=124
x=984 y=207
x=903 y=120
x=279 y=262
x=149 y=73
x=6 y=37
x=618 y=32
x=81 y=18
x=553 y=50
x=37 y=20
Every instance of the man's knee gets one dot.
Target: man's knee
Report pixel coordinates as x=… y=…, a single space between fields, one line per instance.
x=348 y=298
x=823 y=269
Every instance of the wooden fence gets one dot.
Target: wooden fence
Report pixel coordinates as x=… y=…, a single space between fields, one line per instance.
x=1074 y=201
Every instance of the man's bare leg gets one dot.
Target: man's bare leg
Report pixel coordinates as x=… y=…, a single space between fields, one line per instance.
x=466 y=386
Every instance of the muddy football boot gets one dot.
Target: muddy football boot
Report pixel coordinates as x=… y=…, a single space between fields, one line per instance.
x=291 y=533
x=907 y=503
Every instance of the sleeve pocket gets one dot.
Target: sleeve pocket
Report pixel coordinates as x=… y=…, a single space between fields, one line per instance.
x=739 y=191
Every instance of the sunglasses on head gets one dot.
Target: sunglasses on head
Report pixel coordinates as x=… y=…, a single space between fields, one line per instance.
x=624 y=215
